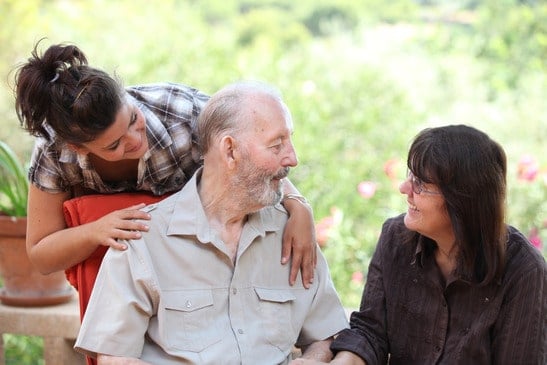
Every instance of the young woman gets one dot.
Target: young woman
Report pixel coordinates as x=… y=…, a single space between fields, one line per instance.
x=95 y=136
x=450 y=282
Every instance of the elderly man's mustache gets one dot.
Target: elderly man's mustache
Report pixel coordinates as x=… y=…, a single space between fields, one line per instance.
x=283 y=173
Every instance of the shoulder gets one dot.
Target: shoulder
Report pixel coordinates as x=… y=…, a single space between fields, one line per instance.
x=164 y=206
x=273 y=218
x=43 y=147
x=396 y=242
x=154 y=90
x=394 y=232
x=394 y=225
x=52 y=168
x=522 y=256
x=525 y=275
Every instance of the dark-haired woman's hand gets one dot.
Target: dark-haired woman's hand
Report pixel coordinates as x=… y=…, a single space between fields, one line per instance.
x=124 y=224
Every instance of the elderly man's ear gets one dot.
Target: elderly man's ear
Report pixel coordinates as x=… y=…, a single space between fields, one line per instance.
x=228 y=150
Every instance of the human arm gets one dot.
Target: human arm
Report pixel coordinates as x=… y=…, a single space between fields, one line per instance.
x=367 y=337
x=325 y=318
x=318 y=350
x=341 y=358
x=299 y=237
x=123 y=300
x=103 y=359
x=52 y=246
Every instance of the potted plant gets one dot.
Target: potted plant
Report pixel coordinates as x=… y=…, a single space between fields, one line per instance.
x=23 y=284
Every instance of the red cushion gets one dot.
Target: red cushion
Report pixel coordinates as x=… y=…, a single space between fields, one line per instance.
x=88 y=208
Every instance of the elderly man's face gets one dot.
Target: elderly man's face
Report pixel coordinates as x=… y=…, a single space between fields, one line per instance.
x=268 y=154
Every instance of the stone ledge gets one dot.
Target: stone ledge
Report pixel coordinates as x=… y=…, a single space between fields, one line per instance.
x=62 y=320
x=57 y=324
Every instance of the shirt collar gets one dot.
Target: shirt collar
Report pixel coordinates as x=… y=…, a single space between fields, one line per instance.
x=419 y=253
x=69 y=156
x=189 y=217
x=424 y=255
x=156 y=132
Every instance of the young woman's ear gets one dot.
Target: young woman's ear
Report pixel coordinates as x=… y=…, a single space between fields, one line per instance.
x=78 y=148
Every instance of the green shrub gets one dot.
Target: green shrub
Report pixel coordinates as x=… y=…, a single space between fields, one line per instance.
x=23 y=350
x=360 y=77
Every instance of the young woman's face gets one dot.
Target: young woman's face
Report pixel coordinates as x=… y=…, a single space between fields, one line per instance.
x=426 y=212
x=125 y=139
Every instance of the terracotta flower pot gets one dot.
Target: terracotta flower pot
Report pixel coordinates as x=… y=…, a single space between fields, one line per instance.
x=24 y=285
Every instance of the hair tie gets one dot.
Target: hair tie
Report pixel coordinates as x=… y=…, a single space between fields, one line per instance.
x=55 y=78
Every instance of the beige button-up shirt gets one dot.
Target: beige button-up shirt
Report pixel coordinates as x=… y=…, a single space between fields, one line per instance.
x=175 y=297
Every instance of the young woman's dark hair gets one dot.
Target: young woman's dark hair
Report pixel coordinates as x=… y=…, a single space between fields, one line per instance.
x=58 y=90
x=470 y=170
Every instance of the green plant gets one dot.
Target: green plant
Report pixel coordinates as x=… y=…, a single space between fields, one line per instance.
x=27 y=350
x=13 y=183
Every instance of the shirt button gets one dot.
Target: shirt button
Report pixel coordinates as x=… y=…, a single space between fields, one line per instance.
x=188 y=304
x=234 y=291
x=240 y=331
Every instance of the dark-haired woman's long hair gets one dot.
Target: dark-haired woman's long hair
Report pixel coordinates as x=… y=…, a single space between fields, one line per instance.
x=470 y=170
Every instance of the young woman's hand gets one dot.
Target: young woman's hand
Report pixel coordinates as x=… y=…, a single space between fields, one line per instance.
x=123 y=224
x=299 y=241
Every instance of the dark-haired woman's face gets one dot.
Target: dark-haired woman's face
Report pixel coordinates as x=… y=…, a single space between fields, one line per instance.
x=125 y=139
x=427 y=212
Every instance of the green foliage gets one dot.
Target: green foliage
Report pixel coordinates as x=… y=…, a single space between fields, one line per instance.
x=13 y=183
x=513 y=39
x=23 y=350
x=360 y=77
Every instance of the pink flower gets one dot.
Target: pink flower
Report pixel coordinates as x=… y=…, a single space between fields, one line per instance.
x=366 y=189
x=357 y=277
x=323 y=229
x=528 y=168
x=534 y=238
x=390 y=168
x=325 y=226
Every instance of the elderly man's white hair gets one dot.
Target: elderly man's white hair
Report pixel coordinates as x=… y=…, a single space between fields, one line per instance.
x=226 y=110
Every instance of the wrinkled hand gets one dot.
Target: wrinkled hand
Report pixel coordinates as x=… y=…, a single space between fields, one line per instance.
x=299 y=242
x=121 y=224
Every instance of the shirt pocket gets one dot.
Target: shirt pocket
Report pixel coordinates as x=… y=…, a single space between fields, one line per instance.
x=275 y=307
x=189 y=319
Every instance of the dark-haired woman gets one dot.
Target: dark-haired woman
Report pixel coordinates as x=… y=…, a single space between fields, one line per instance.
x=450 y=282
x=95 y=136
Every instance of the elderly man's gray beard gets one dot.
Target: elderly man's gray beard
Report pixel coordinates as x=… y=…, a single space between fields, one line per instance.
x=257 y=185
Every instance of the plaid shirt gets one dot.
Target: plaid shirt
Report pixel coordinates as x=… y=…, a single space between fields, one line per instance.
x=171 y=112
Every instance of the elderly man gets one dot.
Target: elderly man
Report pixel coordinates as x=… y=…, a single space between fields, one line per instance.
x=205 y=284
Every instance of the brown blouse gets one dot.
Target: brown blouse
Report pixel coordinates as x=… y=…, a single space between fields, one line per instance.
x=409 y=315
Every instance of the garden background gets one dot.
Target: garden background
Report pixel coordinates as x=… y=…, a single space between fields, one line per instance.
x=361 y=77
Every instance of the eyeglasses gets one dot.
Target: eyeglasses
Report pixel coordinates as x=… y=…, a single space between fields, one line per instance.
x=418 y=185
